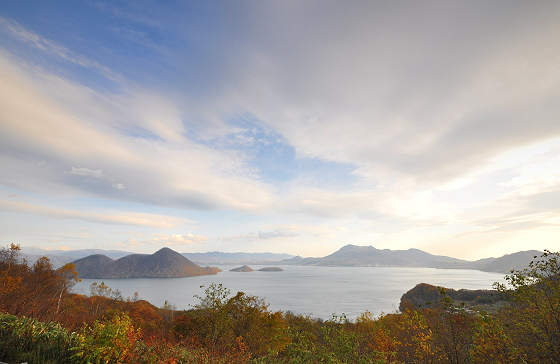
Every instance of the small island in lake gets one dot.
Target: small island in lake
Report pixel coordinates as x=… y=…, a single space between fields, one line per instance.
x=245 y=268
x=271 y=269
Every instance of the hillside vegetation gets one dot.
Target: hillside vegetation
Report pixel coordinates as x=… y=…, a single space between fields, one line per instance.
x=42 y=321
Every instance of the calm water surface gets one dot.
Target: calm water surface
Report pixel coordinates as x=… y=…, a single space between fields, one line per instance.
x=319 y=291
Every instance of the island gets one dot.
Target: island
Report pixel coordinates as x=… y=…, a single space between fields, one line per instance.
x=244 y=268
x=271 y=269
x=165 y=263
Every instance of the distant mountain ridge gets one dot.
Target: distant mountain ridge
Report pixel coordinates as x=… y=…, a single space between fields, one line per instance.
x=78 y=253
x=353 y=255
x=368 y=256
x=61 y=257
x=216 y=257
x=349 y=255
x=165 y=263
x=506 y=263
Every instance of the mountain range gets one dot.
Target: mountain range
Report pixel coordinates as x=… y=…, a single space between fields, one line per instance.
x=349 y=255
x=367 y=256
x=60 y=257
x=165 y=263
x=235 y=258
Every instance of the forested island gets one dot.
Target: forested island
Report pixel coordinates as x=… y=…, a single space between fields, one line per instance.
x=246 y=268
x=165 y=263
x=271 y=269
x=43 y=321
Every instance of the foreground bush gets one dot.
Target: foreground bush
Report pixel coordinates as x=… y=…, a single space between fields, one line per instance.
x=225 y=324
x=25 y=339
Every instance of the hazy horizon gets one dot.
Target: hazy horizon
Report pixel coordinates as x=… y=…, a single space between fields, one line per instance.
x=283 y=127
x=29 y=250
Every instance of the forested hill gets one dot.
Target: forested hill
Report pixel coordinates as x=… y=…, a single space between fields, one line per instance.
x=368 y=256
x=165 y=263
x=425 y=295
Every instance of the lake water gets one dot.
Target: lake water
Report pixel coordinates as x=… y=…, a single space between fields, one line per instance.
x=319 y=291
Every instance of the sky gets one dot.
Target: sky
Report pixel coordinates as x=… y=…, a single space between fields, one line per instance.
x=280 y=126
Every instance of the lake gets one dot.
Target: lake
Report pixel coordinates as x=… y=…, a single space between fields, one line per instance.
x=319 y=291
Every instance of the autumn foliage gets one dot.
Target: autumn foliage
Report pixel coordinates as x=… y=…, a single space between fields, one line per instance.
x=43 y=321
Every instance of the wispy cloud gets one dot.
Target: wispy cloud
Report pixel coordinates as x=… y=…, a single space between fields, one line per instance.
x=239 y=237
x=86 y=172
x=163 y=239
x=50 y=47
x=138 y=219
x=59 y=247
x=177 y=239
x=119 y=186
x=48 y=138
x=260 y=235
x=275 y=234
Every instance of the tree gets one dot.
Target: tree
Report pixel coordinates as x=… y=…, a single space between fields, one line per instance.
x=492 y=344
x=11 y=273
x=38 y=291
x=223 y=323
x=453 y=327
x=109 y=341
x=532 y=317
x=413 y=337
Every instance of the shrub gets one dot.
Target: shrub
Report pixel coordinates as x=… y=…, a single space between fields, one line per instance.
x=25 y=339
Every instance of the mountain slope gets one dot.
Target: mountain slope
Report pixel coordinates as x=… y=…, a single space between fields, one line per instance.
x=165 y=263
x=506 y=263
x=88 y=267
